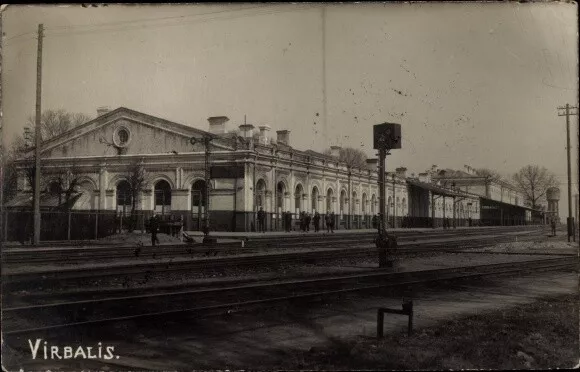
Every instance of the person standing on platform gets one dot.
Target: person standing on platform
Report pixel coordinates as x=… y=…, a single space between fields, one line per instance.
x=316 y=220
x=332 y=219
x=153 y=226
x=261 y=218
x=327 y=222
x=288 y=221
x=553 y=225
x=307 y=220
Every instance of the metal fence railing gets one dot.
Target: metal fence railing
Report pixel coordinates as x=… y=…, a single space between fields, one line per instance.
x=69 y=225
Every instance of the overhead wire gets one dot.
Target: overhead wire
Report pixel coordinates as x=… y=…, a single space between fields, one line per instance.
x=19 y=35
x=122 y=28
x=152 y=19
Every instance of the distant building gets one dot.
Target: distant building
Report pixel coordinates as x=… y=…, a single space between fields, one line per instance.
x=501 y=202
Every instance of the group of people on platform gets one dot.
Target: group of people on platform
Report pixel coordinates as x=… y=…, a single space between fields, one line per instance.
x=306 y=219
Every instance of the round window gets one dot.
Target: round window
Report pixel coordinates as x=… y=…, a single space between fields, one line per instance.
x=123 y=136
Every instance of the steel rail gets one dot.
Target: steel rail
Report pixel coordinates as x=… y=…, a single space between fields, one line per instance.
x=24 y=255
x=239 y=260
x=404 y=279
x=104 y=271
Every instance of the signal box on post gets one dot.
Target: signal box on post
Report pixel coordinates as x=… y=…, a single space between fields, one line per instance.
x=387 y=135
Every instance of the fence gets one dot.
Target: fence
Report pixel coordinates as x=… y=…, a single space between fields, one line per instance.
x=73 y=225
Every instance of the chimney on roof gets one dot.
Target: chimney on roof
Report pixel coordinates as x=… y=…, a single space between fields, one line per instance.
x=217 y=124
x=103 y=110
x=434 y=169
x=335 y=151
x=247 y=130
x=401 y=172
x=264 y=134
x=283 y=137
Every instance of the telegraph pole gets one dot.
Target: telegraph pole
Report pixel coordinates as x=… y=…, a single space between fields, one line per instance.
x=570 y=221
x=36 y=238
x=324 y=107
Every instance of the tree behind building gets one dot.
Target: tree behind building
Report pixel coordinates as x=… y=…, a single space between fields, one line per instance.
x=354 y=158
x=53 y=123
x=534 y=181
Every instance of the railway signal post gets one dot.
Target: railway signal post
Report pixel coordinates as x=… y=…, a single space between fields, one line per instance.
x=386 y=136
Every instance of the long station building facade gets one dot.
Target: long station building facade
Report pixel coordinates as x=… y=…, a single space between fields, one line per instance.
x=250 y=169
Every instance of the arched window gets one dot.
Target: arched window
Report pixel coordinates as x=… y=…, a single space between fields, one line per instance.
x=162 y=197
x=373 y=205
x=123 y=197
x=298 y=198
x=329 y=196
x=260 y=194
x=280 y=191
x=342 y=201
x=390 y=204
x=354 y=204
x=314 y=199
x=364 y=204
x=198 y=197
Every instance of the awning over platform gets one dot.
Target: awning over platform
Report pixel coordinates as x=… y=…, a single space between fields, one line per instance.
x=437 y=189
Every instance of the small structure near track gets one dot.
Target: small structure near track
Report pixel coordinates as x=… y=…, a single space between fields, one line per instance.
x=407 y=310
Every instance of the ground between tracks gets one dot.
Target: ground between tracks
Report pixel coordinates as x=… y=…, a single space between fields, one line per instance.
x=540 y=335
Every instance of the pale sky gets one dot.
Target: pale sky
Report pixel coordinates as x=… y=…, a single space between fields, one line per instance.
x=470 y=83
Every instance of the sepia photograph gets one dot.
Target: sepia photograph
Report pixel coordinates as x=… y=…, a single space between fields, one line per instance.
x=290 y=186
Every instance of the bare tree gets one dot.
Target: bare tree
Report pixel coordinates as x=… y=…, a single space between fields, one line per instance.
x=533 y=181
x=136 y=178
x=354 y=158
x=492 y=174
x=56 y=122
x=53 y=123
x=65 y=185
x=10 y=180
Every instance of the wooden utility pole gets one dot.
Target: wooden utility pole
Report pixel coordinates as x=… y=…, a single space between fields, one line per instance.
x=324 y=107
x=36 y=238
x=570 y=222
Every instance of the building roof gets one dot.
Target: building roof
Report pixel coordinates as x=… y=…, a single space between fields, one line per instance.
x=320 y=155
x=493 y=201
x=452 y=173
x=435 y=188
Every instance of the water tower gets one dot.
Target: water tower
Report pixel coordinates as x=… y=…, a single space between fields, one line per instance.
x=553 y=197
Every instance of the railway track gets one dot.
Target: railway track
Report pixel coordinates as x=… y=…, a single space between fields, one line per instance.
x=19 y=256
x=53 y=276
x=48 y=317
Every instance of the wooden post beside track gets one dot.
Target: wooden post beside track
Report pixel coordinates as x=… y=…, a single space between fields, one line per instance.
x=407 y=309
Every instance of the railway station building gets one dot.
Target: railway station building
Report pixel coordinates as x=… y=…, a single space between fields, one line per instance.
x=250 y=168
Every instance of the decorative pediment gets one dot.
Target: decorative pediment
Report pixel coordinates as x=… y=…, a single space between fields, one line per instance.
x=128 y=132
